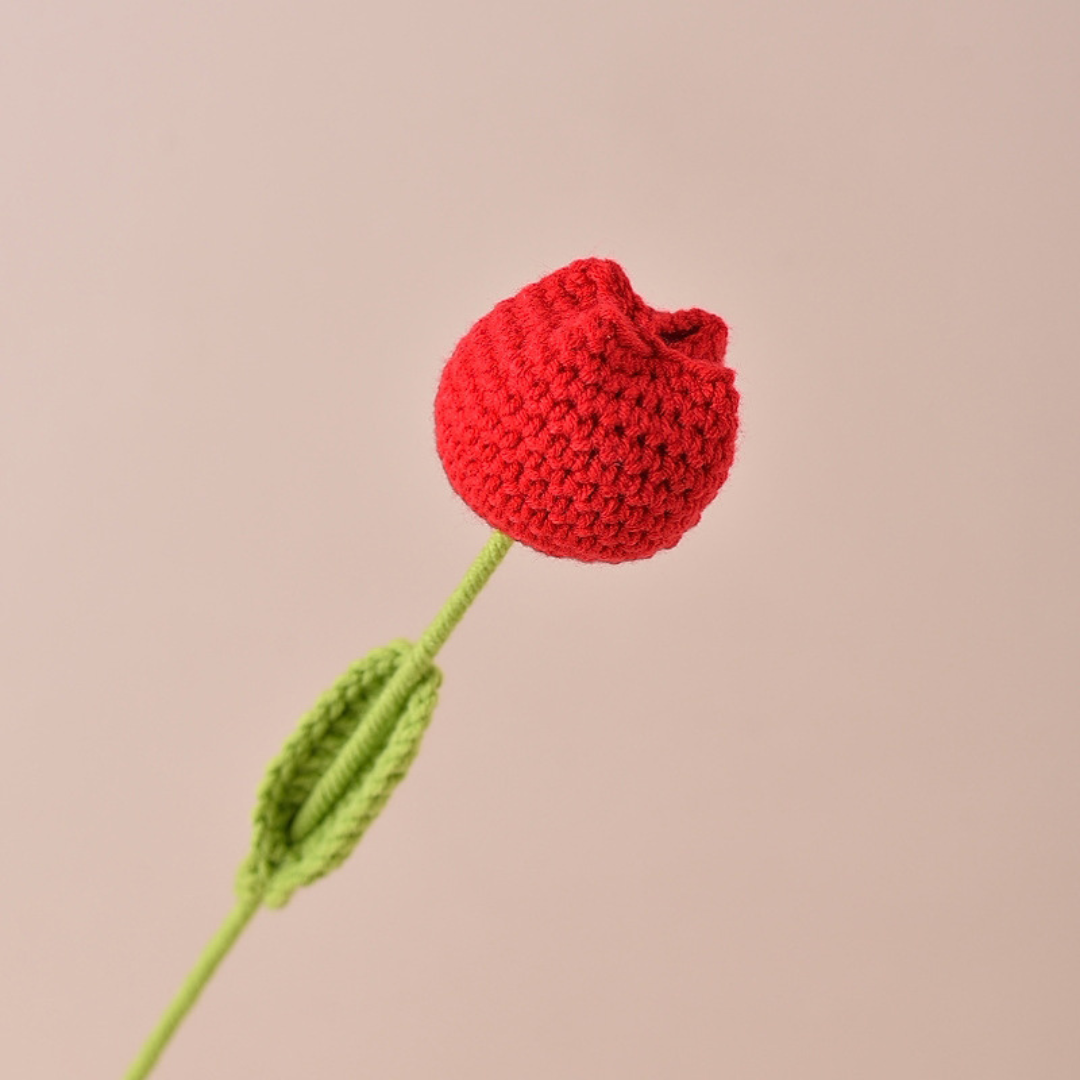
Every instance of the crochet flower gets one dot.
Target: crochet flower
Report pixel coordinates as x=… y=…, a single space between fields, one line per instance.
x=584 y=423
x=574 y=418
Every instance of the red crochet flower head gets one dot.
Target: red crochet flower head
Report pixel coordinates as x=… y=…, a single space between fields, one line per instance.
x=584 y=423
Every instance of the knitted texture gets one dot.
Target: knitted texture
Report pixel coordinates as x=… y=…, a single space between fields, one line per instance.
x=584 y=423
x=280 y=863
x=331 y=780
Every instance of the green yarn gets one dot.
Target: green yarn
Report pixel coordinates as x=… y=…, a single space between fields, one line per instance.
x=335 y=773
x=193 y=985
x=377 y=711
x=413 y=667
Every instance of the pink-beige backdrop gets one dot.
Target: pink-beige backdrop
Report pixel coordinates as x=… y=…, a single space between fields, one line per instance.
x=796 y=799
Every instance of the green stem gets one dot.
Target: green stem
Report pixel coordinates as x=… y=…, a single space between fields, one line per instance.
x=337 y=778
x=328 y=790
x=193 y=985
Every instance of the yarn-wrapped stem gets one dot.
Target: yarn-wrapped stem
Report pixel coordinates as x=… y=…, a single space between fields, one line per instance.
x=333 y=783
x=332 y=779
x=216 y=950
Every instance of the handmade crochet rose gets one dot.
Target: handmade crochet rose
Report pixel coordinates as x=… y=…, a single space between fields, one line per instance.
x=574 y=418
x=584 y=423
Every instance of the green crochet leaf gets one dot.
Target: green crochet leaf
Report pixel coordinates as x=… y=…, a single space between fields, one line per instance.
x=382 y=744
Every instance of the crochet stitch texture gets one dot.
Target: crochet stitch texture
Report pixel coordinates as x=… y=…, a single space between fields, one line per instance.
x=584 y=423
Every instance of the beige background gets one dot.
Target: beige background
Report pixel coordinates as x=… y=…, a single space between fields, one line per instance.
x=797 y=799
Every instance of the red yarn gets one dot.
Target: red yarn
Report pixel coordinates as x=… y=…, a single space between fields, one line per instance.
x=584 y=423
